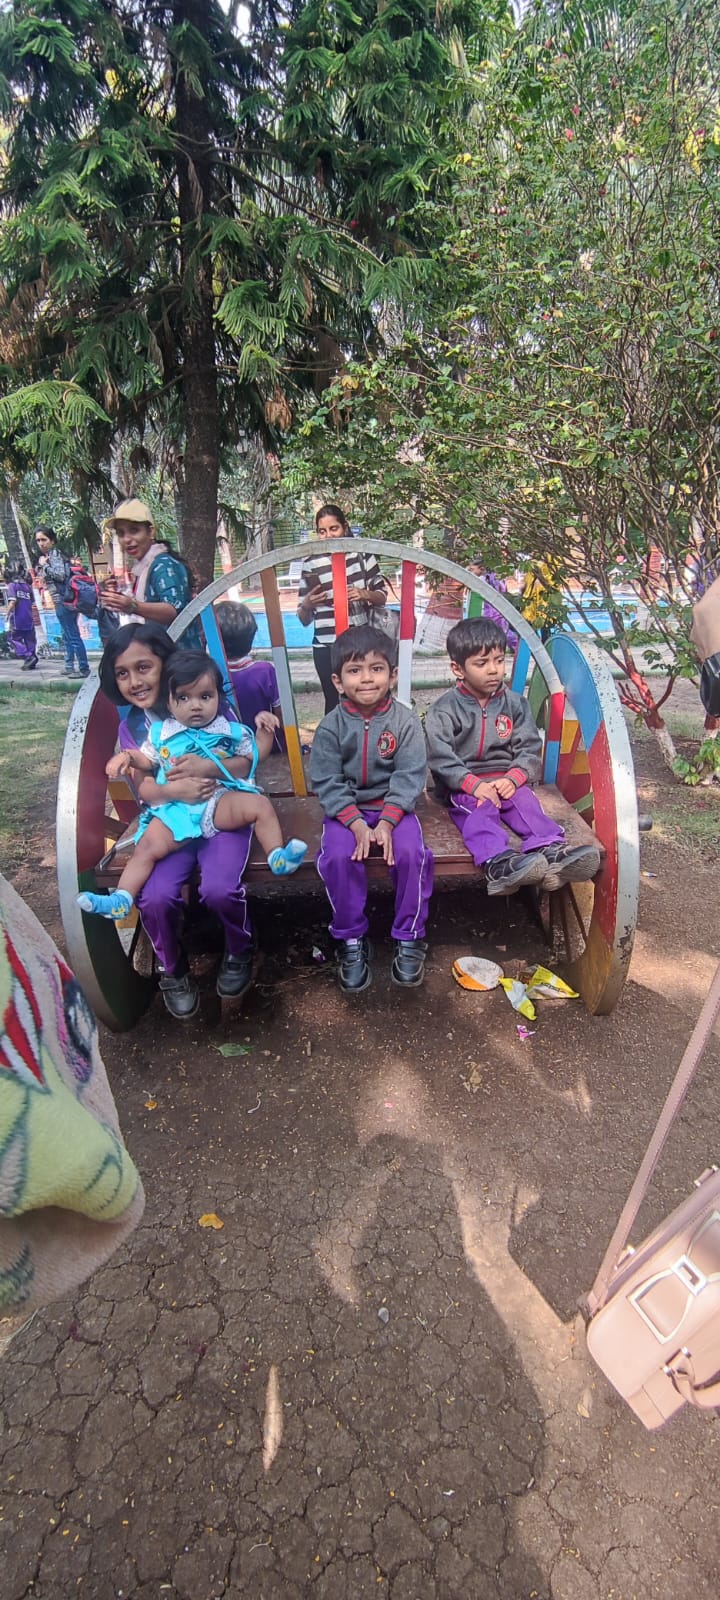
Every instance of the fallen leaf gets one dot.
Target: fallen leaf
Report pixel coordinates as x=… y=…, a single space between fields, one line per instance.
x=209 y=1220
x=233 y=1049
x=150 y=1105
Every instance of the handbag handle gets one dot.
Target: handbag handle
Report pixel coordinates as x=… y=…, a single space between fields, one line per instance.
x=704 y=1396
x=678 y=1090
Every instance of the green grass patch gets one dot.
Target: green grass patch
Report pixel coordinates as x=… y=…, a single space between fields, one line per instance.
x=687 y=818
x=32 y=734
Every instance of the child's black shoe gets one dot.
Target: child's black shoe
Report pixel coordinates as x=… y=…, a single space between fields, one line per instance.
x=511 y=871
x=354 y=973
x=180 y=994
x=235 y=975
x=569 y=863
x=408 y=968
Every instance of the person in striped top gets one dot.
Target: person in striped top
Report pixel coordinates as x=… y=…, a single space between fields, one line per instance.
x=366 y=588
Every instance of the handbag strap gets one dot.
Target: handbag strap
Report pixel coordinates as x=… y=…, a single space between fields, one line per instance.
x=678 y=1090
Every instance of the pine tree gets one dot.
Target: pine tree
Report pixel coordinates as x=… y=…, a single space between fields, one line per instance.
x=198 y=226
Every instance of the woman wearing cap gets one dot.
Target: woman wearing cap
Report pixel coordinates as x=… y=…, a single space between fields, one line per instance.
x=160 y=581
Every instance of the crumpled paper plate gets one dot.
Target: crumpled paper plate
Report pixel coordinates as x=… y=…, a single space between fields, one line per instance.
x=474 y=972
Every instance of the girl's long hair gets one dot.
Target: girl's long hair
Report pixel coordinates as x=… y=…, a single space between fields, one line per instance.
x=156 y=641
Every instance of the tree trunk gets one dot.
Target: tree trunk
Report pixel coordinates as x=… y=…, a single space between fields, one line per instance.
x=10 y=532
x=648 y=708
x=122 y=482
x=199 y=375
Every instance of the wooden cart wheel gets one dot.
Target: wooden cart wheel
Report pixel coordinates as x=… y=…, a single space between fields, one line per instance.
x=594 y=923
x=587 y=753
x=91 y=815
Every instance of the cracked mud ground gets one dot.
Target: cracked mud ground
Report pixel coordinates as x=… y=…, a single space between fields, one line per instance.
x=408 y=1155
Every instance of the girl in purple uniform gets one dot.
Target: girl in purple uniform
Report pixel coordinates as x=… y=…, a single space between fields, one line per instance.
x=130 y=675
x=19 y=618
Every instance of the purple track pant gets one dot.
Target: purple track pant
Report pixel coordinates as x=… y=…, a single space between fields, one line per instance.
x=222 y=862
x=22 y=643
x=346 y=881
x=481 y=824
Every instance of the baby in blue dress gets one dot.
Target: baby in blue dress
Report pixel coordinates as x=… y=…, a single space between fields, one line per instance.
x=192 y=691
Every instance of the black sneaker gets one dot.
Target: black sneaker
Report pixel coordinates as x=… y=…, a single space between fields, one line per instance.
x=235 y=975
x=511 y=871
x=408 y=968
x=30 y=664
x=180 y=994
x=569 y=863
x=353 y=969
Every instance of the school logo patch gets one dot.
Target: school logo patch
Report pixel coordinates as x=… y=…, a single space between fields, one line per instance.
x=503 y=726
x=387 y=744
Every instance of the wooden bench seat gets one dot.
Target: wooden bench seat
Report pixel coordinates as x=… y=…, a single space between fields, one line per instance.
x=302 y=818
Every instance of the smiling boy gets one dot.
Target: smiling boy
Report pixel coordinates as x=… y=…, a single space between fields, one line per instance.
x=485 y=753
x=368 y=768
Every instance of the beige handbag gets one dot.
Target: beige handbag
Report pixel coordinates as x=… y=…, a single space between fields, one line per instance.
x=654 y=1311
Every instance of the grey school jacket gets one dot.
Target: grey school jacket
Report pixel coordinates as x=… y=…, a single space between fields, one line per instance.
x=467 y=741
x=376 y=761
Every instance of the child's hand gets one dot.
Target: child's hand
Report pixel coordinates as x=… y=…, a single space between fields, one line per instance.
x=487 y=791
x=266 y=722
x=383 y=835
x=363 y=840
x=190 y=766
x=505 y=788
x=118 y=765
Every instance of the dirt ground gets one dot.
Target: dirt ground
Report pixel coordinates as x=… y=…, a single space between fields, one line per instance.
x=371 y=1381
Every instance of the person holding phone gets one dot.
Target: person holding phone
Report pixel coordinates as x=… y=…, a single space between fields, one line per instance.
x=161 y=583
x=366 y=588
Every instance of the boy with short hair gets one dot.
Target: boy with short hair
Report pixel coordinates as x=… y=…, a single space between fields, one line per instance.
x=368 y=768
x=485 y=753
x=255 y=682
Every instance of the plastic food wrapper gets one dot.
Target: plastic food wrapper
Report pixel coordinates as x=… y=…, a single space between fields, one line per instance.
x=473 y=972
x=518 y=996
x=543 y=984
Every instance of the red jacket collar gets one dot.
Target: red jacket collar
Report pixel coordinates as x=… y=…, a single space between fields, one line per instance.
x=356 y=711
x=462 y=688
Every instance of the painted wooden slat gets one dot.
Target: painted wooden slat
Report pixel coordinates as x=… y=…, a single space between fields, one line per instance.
x=281 y=662
x=117 y=993
x=554 y=736
x=340 y=594
x=609 y=788
x=518 y=677
x=216 y=649
x=407 y=632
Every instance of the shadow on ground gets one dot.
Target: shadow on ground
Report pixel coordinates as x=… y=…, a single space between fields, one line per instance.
x=369 y=1380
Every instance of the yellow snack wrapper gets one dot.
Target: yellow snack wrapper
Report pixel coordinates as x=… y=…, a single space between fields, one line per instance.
x=545 y=984
x=518 y=996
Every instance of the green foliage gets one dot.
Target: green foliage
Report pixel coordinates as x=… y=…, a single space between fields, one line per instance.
x=198 y=227
x=554 y=393
x=703 y=767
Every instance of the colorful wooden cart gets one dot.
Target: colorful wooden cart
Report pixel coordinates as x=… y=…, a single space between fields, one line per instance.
x=588 y=785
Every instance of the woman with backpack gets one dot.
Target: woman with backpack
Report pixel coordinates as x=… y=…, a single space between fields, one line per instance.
x=19 y=618
x=161 y=583
x=56 y=572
